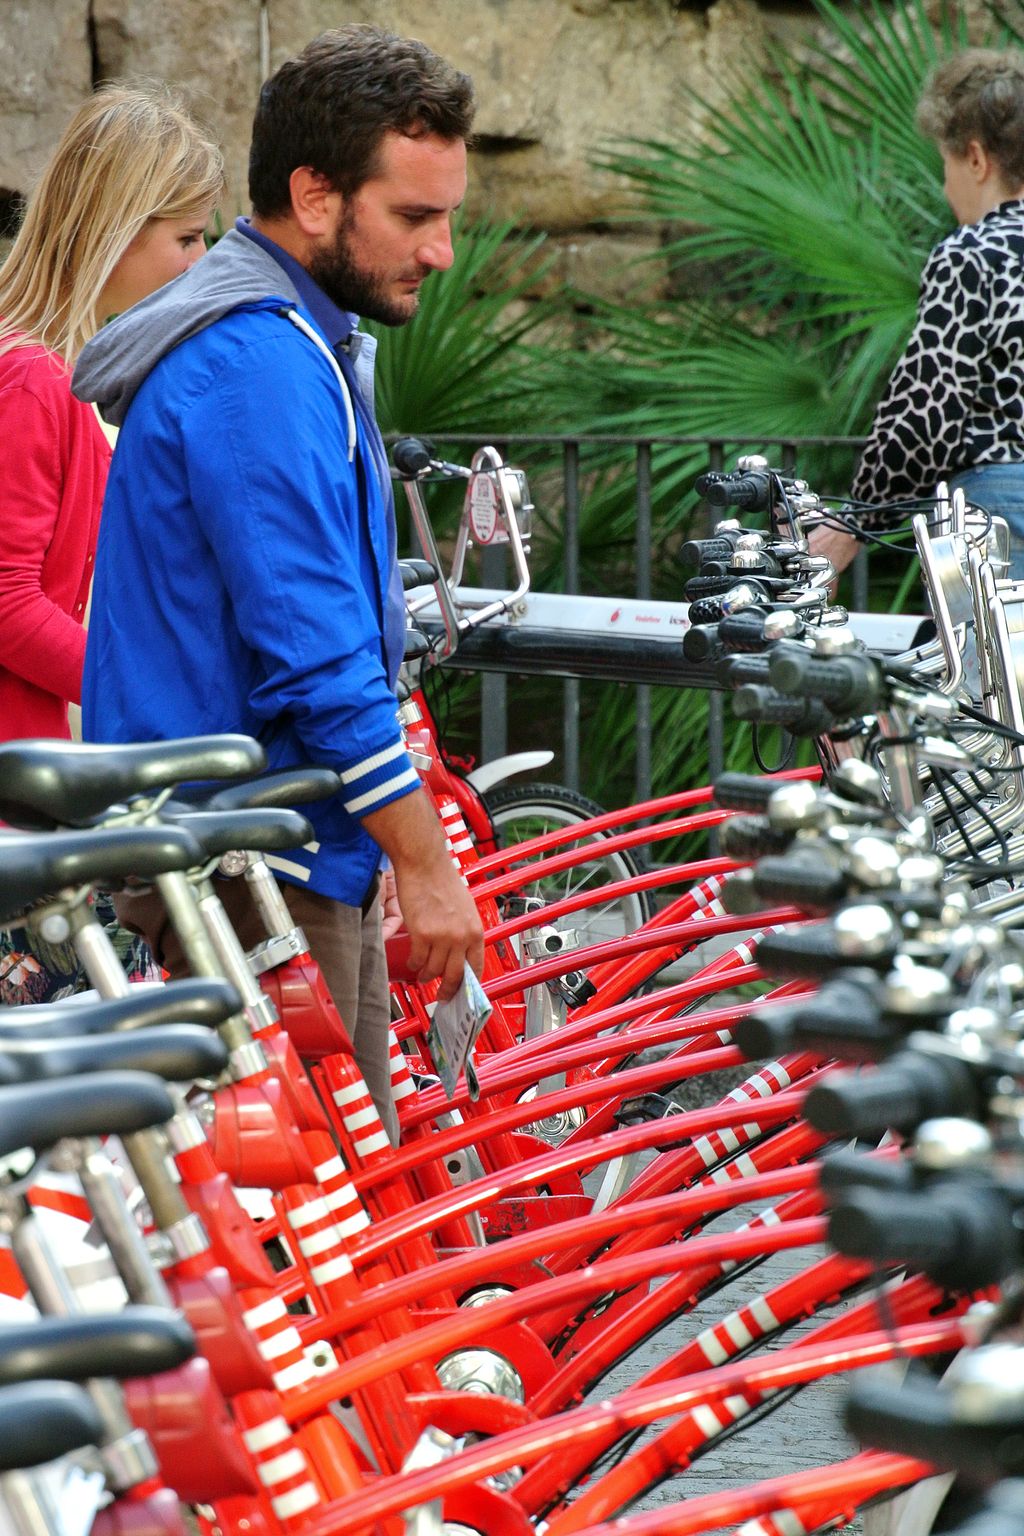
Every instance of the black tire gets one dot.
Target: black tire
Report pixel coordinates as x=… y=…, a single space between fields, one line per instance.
x=521 y=811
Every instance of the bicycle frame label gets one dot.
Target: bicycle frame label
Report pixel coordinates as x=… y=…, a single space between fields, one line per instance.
x=483 y=508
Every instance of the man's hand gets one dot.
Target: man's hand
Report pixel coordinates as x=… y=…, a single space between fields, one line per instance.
x=440 y=915
x=836 y=546
x=443 y=924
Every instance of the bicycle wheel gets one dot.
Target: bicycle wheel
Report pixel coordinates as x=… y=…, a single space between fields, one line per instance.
x=522 y=811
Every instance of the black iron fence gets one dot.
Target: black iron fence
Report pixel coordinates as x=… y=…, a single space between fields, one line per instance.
x=572 y=450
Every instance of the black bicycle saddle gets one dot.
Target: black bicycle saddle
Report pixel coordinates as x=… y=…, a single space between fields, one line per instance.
x=34 y=866
x=178 y=1053
x=139 y=1341
x=263 y=830
x=286 y=787
x=39 y=1114
x=41 y=1420
x=49 y=784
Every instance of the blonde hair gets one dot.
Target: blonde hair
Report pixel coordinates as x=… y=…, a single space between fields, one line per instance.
x=130 y=154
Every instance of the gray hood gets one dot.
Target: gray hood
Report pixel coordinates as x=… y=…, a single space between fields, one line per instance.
x=116 y=362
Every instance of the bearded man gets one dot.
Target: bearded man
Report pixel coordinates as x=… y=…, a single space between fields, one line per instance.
x=246 y=575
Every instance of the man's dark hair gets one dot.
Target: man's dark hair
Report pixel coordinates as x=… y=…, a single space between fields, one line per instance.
x=330 y=107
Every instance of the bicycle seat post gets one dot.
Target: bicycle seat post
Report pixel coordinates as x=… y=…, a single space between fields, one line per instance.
x=102 y=1188
x=179 y=898
x=126 y=1452
x=284 y=938
x=259 y=1010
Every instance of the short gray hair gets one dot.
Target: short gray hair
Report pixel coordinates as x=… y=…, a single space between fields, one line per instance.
x=978 y=94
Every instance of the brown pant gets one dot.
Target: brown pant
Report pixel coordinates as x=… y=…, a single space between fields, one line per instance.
x=344 y=941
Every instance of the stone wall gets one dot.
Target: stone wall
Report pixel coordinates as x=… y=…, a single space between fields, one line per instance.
x=555 y=79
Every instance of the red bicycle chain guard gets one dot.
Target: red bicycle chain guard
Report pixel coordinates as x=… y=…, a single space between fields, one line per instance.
x=531 y=1213
x=195 y=1439
x=485 y=1509
x=562 y=1199
x=213 y=1311
x=286 y=1067
x=255 y=1139
x=234 y=1242
x=306 y=1009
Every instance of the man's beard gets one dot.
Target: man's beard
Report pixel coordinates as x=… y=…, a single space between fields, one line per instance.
x=357 y=289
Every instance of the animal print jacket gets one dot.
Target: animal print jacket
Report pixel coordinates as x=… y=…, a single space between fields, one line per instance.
x=956 y=396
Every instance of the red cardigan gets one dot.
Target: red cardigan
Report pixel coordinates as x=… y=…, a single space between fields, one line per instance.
x=53 y=470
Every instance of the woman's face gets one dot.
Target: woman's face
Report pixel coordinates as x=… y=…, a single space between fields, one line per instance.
x=163 y=249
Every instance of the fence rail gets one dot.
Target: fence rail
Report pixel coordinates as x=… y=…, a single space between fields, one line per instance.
x=573 y=449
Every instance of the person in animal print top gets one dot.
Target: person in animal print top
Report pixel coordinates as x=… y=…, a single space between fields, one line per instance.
x=954 y=406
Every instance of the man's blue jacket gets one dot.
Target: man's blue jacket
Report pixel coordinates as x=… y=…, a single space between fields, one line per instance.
x=245 y=568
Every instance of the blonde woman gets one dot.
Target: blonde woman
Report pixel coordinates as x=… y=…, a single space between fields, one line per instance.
x=120 y=209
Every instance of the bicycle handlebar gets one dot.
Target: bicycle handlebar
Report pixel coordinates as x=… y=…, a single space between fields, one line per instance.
x=961 y=1233
x=410 y=456
x=795 y=880
x=843 y=1019
x=749 y=491
x=900 y=1094
x=734 y=671
x=801 y=717
x=697 y=552
x=744 y=791
x=752 y=837
x=743 y=631
x=809 y=954
x=916 y=1418
x=853 y=684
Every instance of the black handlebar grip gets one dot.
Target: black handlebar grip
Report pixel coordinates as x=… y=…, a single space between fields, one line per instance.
x=744 y=791
x=697 y=552
x=739 y=896
x=764 y=1036
x=886 y=1225
x=844 y=1170
x=852 y=683
x=805 y=953
x=700 y=642
x=762 y=588
x=417 y=573
x=743 y=631
x=410 y=456
x=844 y=1019
x=751 y=492
x=914 y=1418
x=734 y=671
x=901 y=1093
x=708 y=586
x=707 y=610
x=962 y=1234
x=751 y=837
x=801 y=717
x=917 y=1418
x=810 y=883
